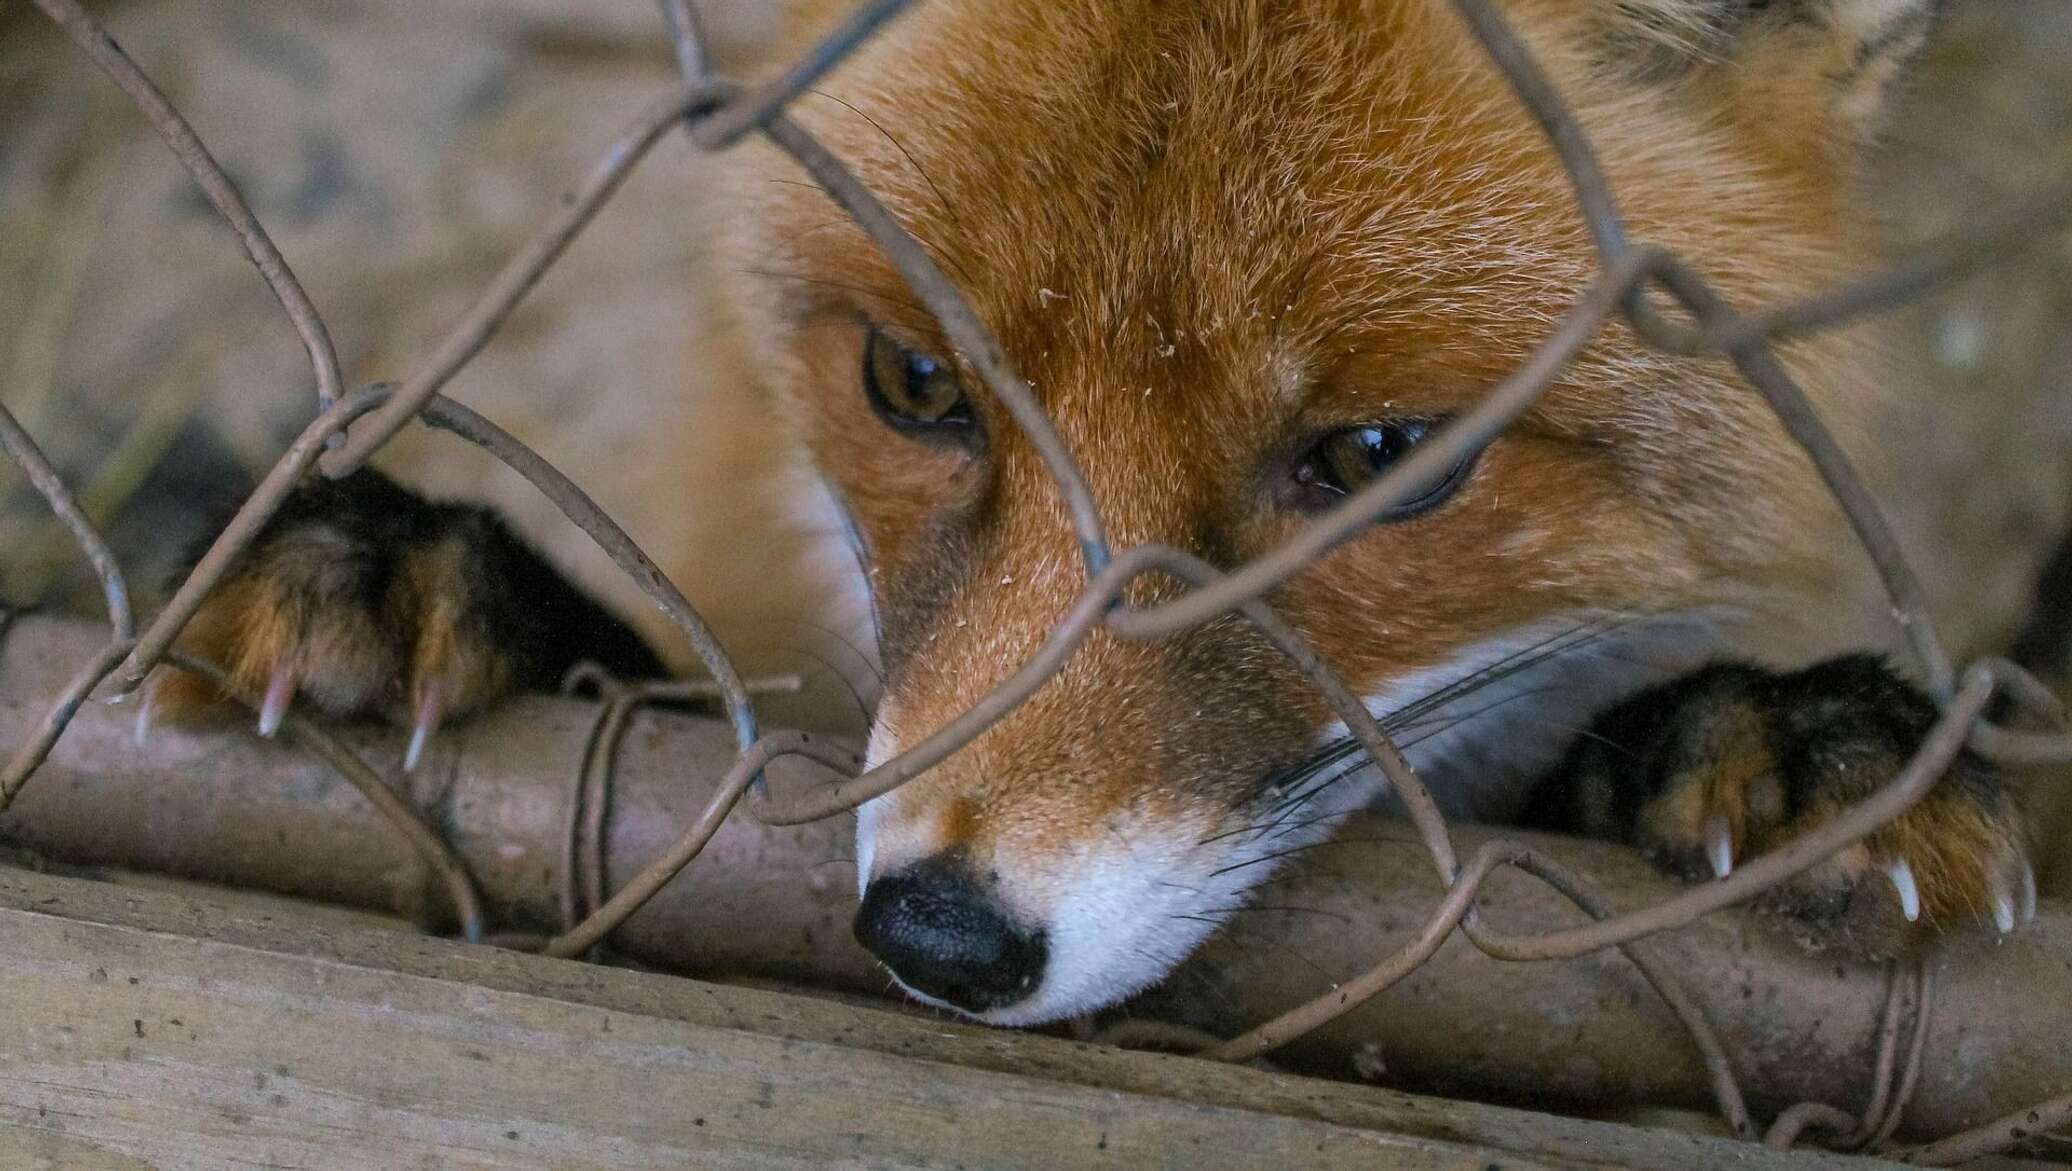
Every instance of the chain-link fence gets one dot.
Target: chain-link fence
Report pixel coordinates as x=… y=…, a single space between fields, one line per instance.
x=1666 y=301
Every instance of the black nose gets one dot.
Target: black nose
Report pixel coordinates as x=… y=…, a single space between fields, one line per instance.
x=943 y=935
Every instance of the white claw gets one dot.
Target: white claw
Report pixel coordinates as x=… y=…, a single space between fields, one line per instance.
x=2003 y=905
x=1902 y=876
x=1719 y=845
x=140 y=731
x=2028 y=892
x=429 y=709
x=279 y=691
x=418 y=733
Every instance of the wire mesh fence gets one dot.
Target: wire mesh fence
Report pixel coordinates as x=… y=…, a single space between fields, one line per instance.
x=1666 y=301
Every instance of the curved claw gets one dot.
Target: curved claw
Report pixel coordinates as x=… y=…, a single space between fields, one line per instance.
x=2028 y=891
x=1902 y=875
x=1719 y=845
x=140 y=731
x=280 y=690
x=430 y=707
x=2003 y=905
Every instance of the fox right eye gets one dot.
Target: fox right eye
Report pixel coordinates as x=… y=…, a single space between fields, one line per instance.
x=914 y=392
x=1347 y=460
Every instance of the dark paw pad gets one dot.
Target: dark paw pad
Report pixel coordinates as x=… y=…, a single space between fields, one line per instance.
x=363 y=599
x=1734 y=761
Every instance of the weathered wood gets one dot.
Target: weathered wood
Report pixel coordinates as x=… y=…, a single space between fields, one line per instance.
x=226 y=807
x=165 y=1029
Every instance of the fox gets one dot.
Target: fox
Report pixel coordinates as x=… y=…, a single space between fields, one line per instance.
x=1248 y=255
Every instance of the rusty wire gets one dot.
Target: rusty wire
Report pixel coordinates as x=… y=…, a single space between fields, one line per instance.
x=718 y=114
x=582 y=869
x=222 y=194
x=1889 y=1097
x=114 y=590
x=1996 y=1136
x=452 y=873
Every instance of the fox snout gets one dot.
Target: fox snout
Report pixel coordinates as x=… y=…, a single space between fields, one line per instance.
x=1016 y=931
x=1077 y=850
x=946 y=935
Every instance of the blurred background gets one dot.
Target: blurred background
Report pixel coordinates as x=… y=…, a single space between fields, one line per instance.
x=397 y=153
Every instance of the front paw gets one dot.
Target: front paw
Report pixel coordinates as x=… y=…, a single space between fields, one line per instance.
x=360 y=599
x=1734 y=761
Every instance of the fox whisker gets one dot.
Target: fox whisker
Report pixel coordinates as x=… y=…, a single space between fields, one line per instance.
x=1302 y=784
x=949 y=209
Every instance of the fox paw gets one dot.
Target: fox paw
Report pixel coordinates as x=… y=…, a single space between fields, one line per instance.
x=1733 y=761
x=361 y=598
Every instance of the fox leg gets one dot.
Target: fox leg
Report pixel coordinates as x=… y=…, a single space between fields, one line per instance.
x=1733 y=760
x=362 y=598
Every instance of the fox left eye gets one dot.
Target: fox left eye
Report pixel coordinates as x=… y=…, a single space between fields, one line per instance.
x=1345 y=461
x=912 y=391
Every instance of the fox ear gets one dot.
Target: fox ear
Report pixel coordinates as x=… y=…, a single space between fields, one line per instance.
x=1824 y=68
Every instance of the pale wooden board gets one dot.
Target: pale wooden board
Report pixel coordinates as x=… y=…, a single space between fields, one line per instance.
x=151 y=1026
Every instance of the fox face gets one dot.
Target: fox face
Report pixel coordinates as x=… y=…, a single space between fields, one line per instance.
x=1247 y=256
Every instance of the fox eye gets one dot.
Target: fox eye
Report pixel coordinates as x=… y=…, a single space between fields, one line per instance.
x=1345 y=461
x=912 y=391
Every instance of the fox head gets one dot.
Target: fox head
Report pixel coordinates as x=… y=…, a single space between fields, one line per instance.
x=1248 y=253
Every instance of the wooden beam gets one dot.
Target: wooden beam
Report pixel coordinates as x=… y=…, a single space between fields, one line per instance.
x=149 y=1026
x=220 y=805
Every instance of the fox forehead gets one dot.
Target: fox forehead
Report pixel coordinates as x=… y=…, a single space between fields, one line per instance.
x=1204 y=231
x=1209 y=232
x=1131 y=183
x=1321 y=196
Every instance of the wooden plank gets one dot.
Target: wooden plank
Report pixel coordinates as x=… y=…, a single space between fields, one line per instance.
x=776 y=903
x=145 y=1025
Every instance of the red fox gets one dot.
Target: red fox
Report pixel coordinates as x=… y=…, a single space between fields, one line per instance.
x=1249 y=253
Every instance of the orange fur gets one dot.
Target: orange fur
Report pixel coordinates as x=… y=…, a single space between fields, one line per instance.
x=1204 y=230
x=1196 y=225
x=1210 y=232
